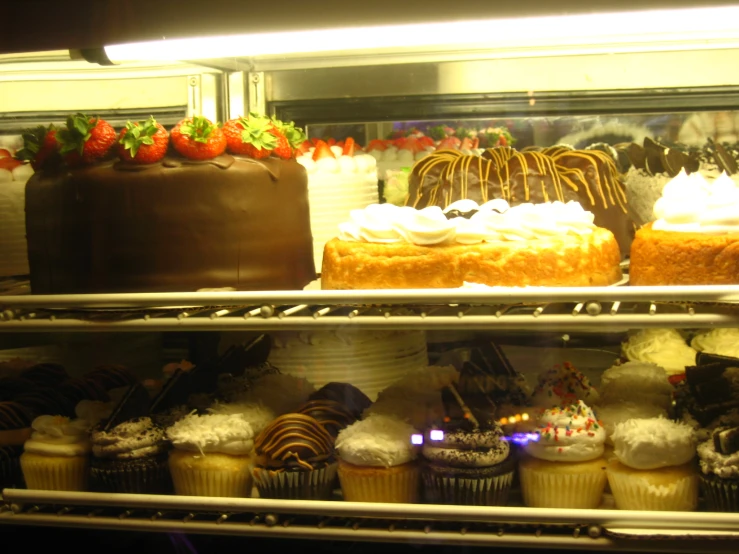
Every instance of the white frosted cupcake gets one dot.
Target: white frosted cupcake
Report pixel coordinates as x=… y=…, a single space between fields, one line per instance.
x=722 y=341
x=610 y=415
x=563 y=385
x=638 y=382
x=653 y=467
x=57 y=456
x=212 y=454
x=377 y=461
x=565 y=467
x=665 y=347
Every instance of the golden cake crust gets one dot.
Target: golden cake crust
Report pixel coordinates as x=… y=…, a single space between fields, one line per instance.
x=676 y=258
x=566 y=261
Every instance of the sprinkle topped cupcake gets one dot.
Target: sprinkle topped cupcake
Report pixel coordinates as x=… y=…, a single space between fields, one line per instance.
x=569 y=434
x=563 y=385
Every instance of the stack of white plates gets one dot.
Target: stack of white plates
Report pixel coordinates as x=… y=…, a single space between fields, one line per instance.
x=332 y=196
x=369 y=360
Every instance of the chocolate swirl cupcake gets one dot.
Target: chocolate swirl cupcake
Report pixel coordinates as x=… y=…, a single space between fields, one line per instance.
x=83 y=389
x=294 y=456
x=344 y=393
x=333 y=415
x=15 y=423
x=48 y=375
x=47 y=401
x=11 y=476
x=11 y=387
x=111 y=377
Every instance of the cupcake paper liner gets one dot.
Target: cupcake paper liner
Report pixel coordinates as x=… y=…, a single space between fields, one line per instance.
x=489 y=491
x=570 y=486
x=297 y=484
x=214 y=474
x=139 y=476
x=396 y=484
x=55 y=473
x=722 y=495
x=637 y=490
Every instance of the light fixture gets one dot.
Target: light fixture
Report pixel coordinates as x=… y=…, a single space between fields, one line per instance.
x=611 y=32
x=436 y=435
x=416 y=438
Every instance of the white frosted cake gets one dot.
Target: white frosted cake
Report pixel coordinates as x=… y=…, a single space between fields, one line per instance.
x=369 y=360
x=337 y=185
x=13 y=249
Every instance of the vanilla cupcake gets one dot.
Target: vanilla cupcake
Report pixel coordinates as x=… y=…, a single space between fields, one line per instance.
x=722 y=341
x=637 y=382
x=377 y=461
x=56 y=457
x=653 y=468
x=664 y=347
x=212 y=455
x=564 y=467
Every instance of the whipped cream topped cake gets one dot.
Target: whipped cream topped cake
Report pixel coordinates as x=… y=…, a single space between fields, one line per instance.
x=695 y=238
x=546 y=244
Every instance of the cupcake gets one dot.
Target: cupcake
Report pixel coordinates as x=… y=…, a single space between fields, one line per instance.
x=719 y=463
x=212 y=455
x=334 y=416
x=111 y=377
x=563 y=385
x=56 y=457
x=344 y=393
x=653 y=467
x=377 y=461
x=47 y=374
x=721 y=341
x=294 y=458
x=466 y=464
x=564 y=467
x=637 y=382
x=15 y=429
x=664 y=347
x=130 y=458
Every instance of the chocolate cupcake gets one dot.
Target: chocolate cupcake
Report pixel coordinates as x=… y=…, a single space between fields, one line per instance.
x=83 y=389
x=719 y=461
x=45 y=401
x=333 y=415
x=344 y=393
x=130 y=458
x=294 y=459
x=12 y=387
x=11 y=476
x=48 y=375
x=15 y=428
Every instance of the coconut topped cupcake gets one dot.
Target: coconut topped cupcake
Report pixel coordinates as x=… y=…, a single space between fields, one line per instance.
x=258 y=415
x=217 y=433
x=653 y=443
x=665 y=347
x=379 y=441
x=568 y=434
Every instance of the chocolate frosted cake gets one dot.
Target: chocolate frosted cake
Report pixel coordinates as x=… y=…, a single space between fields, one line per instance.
x=174 y=225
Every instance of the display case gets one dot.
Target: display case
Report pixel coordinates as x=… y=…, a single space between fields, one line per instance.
x=661 y=77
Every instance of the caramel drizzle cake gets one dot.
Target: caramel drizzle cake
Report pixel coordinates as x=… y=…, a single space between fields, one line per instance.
x=293 y=439
x=555 y=173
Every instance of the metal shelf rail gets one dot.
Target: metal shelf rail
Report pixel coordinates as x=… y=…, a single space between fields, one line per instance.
x=469 y=525
x=534 y=308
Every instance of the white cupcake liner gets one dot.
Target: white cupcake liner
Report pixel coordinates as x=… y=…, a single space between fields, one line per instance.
x=485 y=491
x=577 y=490
x=375 y=485
x=632 y=491
x=300 y=484
x=191 y=478
x=55 y=473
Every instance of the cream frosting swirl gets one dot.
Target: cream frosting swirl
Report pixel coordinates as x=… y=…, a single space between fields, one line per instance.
x=725 y=466
x=664 y=347
x=642 y=383
x=473 y=448
x=689 y=203
x=137 y=438
x=723 y=341
x=653 y=443
x=58 y=436
x=221 y=433
x=569 y=434
x=377 y=441
x=494 y=221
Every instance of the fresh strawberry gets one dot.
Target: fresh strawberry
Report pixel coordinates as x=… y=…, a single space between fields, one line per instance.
x=40 y=147
x=143 y=142
x=304 y=147
x=256 y=137
x=5 y=153
x=323 y=150
x=466 y=144
x=9 y=163
x=295 y=135
x=85 y=139
x=331 y=141
x=197 y=138
x=349 y=147
x=502 y=141
x=376 y=144
x=315 y=141
x=413 y=144
x=476 y=142
x=426 y=141
x=451 y=143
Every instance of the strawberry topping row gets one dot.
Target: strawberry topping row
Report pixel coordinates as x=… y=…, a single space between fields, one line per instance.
x=85 y=140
